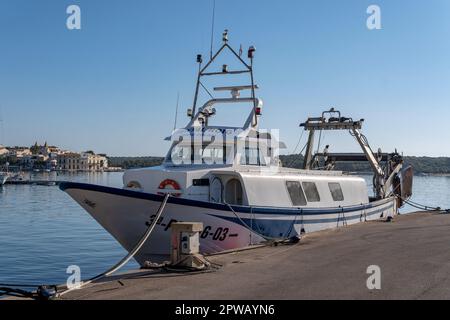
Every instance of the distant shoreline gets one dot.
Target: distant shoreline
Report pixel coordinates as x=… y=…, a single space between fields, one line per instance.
x=439 y=166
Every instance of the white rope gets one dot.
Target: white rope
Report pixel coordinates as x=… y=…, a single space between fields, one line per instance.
x=130 y=255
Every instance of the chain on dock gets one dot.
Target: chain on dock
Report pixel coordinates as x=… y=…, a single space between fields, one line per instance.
x=422 y=207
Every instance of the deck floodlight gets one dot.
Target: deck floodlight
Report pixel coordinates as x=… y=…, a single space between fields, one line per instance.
x=199 y=58
x=189 y=112
x=224 y=68
x=251 y=52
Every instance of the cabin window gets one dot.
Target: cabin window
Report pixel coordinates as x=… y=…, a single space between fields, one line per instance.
x=336 y=191
x=216 y=190
x=311 y=191
x=296 y=193
x=233 y=192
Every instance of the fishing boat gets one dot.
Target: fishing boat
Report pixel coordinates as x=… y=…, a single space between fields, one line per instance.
x=231 y=180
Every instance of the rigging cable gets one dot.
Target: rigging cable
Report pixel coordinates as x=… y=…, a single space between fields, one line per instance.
x=207 y=91
x=281 y=239
x=295 y=149
x=176 y=112
x=303 y=149
x=298 y=142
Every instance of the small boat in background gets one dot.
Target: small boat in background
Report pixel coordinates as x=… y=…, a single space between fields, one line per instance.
x=3 y=177
x=17 y=176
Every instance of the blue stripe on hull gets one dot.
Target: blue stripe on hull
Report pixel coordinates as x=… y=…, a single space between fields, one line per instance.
x=223 y=207
x=271 y=227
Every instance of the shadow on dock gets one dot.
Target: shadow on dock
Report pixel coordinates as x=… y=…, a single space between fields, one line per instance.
x=411 y=252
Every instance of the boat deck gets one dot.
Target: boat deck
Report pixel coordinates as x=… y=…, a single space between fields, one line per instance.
x=412 y=252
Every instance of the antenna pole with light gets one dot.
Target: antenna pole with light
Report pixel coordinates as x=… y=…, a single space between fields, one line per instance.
x=212 y=29
x=176 y=111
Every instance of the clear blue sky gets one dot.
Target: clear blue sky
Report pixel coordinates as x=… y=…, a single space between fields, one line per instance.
x=112 y=85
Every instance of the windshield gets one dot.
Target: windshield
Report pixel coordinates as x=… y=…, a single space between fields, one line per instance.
x=252 y=157
x=185 y=154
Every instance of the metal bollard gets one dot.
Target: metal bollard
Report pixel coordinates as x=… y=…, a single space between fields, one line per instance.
x=185 y=244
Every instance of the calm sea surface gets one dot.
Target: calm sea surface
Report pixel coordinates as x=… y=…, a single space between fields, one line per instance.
x=43 y=231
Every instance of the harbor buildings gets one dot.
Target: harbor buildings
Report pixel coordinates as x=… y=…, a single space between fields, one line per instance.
x=3 y=151
x=45 y=157
x=85 y=161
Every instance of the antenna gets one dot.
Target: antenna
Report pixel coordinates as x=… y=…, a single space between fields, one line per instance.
x=176 y=112
x=212 y=29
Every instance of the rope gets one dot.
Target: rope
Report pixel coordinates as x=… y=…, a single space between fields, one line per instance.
x=425 y=207
x=344 y=219
x=21 y=285
x=259 y=234
x=416 y=204
x=292 y=225
x=5 y=291
x=421 y=206
x=131 y=254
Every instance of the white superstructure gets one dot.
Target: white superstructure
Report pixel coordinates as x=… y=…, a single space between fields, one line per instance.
x=230 y=179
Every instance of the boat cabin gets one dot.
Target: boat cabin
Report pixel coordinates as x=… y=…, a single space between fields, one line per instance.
x=240 y=166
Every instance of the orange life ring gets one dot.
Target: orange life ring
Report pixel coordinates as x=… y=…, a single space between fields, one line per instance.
x=172 y=184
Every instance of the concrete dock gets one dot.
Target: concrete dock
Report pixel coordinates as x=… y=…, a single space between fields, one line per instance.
x=413 y=253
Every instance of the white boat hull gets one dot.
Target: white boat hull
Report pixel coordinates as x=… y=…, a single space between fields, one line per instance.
x=126 y=215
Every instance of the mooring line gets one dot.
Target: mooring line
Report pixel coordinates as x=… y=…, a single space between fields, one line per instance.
x=43 y=292
x=257 y=233
x=130 y=255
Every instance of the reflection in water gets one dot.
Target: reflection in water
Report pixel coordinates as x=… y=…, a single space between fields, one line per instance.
x=43 y=231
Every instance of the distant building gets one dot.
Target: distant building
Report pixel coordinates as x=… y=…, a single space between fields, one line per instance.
x=32 y=161
x=3 y=151
x=16 y=154
x=86 y=161
x=53 y=158
x=69 y=161
x=43 y=150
